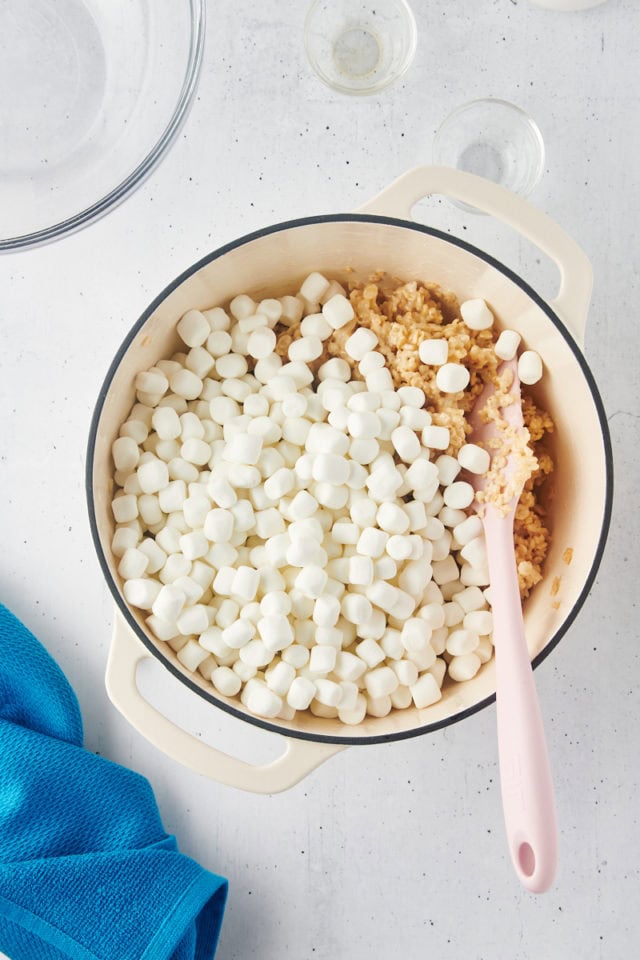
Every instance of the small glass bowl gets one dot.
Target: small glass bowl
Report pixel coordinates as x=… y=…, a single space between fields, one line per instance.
x=95 y=93
x=493 y=139
x=360 y=47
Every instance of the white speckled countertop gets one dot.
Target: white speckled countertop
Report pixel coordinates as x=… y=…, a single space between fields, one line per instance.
x=393 y=851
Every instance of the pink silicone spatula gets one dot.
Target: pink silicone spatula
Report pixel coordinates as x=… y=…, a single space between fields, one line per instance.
x=525 y=776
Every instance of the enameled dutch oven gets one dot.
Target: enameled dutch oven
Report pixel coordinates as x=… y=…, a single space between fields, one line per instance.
x=381 y=236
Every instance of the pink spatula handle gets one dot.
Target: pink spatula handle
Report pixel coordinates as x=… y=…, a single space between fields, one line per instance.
x=525 y=775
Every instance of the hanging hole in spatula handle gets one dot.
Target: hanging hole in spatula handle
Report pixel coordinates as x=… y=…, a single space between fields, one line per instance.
x=576 y=275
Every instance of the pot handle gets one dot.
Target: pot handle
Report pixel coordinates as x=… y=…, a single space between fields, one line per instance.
x=576 y=274
x=299 y=758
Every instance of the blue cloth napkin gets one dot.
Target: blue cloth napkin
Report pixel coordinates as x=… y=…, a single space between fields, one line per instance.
x=86 y=869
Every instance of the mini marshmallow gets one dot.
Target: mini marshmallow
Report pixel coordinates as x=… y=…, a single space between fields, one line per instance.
x=360 y=343
x=415 y=634
x=479 y=621
x=415 y=576
x=304 y=551
x=223 y=409
x=459 y=495
x=363 y=424
x=186 y=384
x=125 y=508
x=474 y=576
x=355 y=608
x=243 y=448
x=425 y=691
x=326 y=611
x=337 y=311
x=322 y=659
x=451 y=517
x=433 y=614
x=405 y=443
x=529 y=367
x=231 y=365
x=141 y=592
x=434 y=352
x=399 y=548
x=474 y=458
x=506 y=346
x=242 y=306
x=335 y=369
x=255 y=654
x=191 y=655
x=279 y=483
x=238 y=634
x=379 y=381
x=269 y=523
x=361 y=570
x=168 y=603
x=436 y=438
x=444 y=571
x=381 y=682
x=314 y=287
x=330 y=468
x=194 y=544
x=409 y=417
x=302 y=506
x=260 y=344
x=292 y=309
x=372 y=542
x=460 y=642
x=124 y=539
x=243 y=670
x=193 y=620
x=370 y=362
x=125 y=453
x=195 y=451
x=296 y=655
x=353 y=715
x=475 y=552
x=259 y=699
x=301 y=693
x=221 y=492
x=315 y=325
x=370 y=652
x=392 y=519
x=305 y=349
x=226 y=681
x=275 y=631
x=153 y=476
x=218 y=343
x=468 y=530
x=378 y=706
x=193 y=328
x=464 y=667
x=311 y=581
x=279 y=678
x=406 y=672
x=448 y=469
x=452 y=378
x=476 y=314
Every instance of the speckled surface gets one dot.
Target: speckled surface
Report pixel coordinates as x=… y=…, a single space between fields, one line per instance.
x=395 y=850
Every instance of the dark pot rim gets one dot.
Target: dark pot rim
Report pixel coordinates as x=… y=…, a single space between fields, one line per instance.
x=303 y=222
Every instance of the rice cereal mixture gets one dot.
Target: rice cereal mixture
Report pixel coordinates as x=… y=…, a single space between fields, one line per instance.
x=293 y=507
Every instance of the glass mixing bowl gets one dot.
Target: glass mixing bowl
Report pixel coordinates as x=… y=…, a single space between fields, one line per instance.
x=93 y=95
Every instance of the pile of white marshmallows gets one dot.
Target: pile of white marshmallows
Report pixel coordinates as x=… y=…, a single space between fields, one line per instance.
x=300 y=539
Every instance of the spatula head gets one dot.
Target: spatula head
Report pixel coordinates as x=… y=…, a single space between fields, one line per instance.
x=498 y=426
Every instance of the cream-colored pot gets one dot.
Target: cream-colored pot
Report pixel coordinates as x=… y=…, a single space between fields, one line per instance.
x=381 y=236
